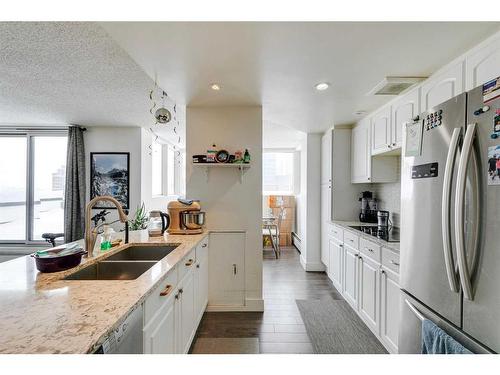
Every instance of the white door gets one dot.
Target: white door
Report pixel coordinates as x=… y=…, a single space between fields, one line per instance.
x=483 y=65
x=226 y=264
x=381 y=131
x=159 y=334
x=361 y=152
x=369 y=293
x=187 y=320
x=335 y=266
x=403 y=110
x=442 y=87
x=350 y=287
x=326 y=157
x=389 y=311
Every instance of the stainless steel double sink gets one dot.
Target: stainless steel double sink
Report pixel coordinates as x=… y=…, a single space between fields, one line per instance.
x=128 y=264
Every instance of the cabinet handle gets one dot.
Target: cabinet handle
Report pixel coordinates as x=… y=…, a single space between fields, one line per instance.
x=189 y=263
x=176 y=296
x=395 y=263
x=197 y=266
x=166 y=291
x=370 y=250
x=394 y=144
x=341 y=245
x=204 y=245
x=389 y=146
x=234 y=269
x=356 y=255
x=382 y=272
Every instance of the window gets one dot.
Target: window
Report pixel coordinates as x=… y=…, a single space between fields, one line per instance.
x=164 y=171
x=278 y=172
x=32 y=180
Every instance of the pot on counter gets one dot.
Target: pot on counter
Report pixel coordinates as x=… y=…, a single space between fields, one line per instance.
x=58 y=263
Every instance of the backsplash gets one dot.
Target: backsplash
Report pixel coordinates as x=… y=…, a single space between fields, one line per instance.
x=389 y=197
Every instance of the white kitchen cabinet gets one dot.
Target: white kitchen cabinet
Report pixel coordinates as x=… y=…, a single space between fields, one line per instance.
x=368 y=280
x=160 y=333
x=201 y=280
x=326 y=158
x=325 y=251
x=483 y=65
x=350 y=285
x=226 y=266
x=185 y=311
x=445 y=85
x=403 y=110
x=335 y=263
x=389 y=311
x=381 y=131
x=361 y=152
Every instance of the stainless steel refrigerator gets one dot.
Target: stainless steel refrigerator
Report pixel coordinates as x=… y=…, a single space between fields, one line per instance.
x=450 y=222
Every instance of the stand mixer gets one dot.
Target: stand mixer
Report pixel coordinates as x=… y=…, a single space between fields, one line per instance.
x=186 y=217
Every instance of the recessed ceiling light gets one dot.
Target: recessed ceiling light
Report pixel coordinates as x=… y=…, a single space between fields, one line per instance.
x=359 y=112
x=322 y=86
x=215 y=87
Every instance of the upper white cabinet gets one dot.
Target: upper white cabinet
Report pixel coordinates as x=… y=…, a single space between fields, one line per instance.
x=483 y=65
x=403 y=110
x=360 y=152
x=326 y=158
x=443 y=86
x=381 y=131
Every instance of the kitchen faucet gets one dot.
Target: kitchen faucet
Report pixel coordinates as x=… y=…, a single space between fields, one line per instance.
x=91 y=234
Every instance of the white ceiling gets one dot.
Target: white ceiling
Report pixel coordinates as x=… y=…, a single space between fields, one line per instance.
x=63 y=73
x=278 y=64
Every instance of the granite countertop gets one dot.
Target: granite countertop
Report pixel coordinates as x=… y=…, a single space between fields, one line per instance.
x=346 y=225
x=41 y=313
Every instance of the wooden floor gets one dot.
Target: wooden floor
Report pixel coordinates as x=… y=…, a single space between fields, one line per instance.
x=279 y=328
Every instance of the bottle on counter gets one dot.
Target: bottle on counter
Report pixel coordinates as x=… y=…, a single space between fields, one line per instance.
x=106 y=237
x=211 y=152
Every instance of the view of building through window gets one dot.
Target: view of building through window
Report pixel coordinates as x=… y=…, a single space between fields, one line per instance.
x=277 y=170
x=45 y=167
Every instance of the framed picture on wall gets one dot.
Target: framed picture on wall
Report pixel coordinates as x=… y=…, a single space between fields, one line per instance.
x=109 y=175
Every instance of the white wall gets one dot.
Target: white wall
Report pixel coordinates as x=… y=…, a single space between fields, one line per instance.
x=116 y=139
x=309 y=203
x=229 y=204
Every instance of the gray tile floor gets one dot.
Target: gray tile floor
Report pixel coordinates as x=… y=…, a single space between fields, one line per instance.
x=279 y=329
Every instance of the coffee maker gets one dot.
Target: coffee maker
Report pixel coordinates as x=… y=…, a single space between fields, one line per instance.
x=368 y=212
x=186 y=217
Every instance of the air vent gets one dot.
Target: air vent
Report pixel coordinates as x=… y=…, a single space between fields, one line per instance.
x=395 y=85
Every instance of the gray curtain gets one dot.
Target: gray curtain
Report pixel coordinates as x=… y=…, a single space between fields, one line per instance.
x=74 y=196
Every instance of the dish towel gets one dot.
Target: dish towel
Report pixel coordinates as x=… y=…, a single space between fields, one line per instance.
x=437 y=341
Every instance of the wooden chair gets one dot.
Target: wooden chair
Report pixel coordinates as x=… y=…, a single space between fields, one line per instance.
x=271 y=228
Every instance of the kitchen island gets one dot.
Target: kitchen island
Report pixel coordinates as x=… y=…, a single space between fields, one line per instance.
x=43 y=313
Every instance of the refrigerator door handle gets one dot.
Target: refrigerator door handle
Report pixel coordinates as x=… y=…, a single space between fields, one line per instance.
x=463 y=268
x=445 y=210
x=415 y=310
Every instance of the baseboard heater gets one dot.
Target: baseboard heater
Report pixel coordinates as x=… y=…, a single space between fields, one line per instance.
x=296 y=241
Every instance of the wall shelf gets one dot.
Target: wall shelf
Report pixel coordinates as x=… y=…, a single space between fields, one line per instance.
x=207 y=166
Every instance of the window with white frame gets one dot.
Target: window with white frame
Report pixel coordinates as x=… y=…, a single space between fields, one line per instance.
x=165 y=172
x=278 y=172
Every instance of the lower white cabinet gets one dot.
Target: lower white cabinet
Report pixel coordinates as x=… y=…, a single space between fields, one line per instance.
x=368 y=280
x=335 y=262
x=389 y=311
x=173 y=311
x=350 y=287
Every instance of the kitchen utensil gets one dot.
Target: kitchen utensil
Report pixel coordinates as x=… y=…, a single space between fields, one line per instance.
x=158 y=223
x=192 y=224
x=193 y=219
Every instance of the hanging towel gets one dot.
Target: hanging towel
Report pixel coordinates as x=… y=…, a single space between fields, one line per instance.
x=437 y=341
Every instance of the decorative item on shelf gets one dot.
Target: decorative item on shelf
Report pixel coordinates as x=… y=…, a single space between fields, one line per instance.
x=199 y=158
x=222 y=156
x=238 y=156
x=211 y=152
x=246 y=157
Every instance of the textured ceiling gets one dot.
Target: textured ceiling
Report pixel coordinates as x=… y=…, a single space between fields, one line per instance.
x=69 y=73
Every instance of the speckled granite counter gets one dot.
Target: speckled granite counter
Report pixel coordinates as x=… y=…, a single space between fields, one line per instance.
x=346 y=226
x=41 y=313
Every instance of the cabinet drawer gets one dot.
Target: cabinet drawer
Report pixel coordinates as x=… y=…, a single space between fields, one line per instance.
x=336 y=232
x=156 y=300
x=390 y=259
x=186 y=264
x=370 y=249
x=351 y=239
